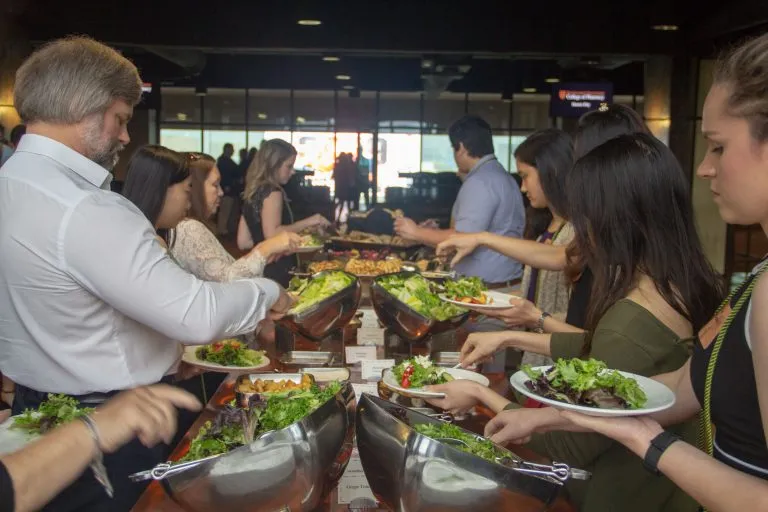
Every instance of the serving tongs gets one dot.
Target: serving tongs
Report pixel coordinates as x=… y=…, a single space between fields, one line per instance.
x=557 y=470
x=168 y=469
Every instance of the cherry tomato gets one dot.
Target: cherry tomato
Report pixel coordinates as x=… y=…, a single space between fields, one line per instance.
x=406 y=382
x=408 y=371
x=217 y=346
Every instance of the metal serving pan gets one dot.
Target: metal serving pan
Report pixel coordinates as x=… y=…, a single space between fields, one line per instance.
x=406 y=322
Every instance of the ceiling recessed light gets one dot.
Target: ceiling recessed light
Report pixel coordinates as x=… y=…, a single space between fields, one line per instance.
x=261 y=115
x=181 y=116
x=552 y=80
x=665 y=28
x=529 y=89
x=343 y=77
x=331 y=58
x=309 y=23
x=348 y=87
x=300 y=120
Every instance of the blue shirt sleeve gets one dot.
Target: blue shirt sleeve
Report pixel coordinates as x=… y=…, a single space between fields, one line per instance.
x=476 y=206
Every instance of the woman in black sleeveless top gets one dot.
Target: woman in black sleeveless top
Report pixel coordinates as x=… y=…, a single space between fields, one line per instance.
x=266 y=209
x=726 y=379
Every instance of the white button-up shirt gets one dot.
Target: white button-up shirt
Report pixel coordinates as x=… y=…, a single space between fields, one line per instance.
x=89 y=299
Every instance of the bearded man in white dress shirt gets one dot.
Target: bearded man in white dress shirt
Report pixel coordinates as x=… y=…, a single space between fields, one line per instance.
x=90 y=303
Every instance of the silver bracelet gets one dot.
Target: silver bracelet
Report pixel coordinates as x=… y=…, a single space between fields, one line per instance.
x=97 y=464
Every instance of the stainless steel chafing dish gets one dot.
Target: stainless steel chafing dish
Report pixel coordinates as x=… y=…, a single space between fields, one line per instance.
x=406 y=322
x=327 y=315
x=289 y=469
x=410 y=472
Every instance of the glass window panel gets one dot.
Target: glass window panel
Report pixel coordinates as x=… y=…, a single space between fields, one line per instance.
x=440 y=113
x=437 y=153
x=315 y=152
x=314 y=110
x=214 y=140
x=224 y=106
x=502 y=147
x=180 y=139
x=491 y=108
x=530 y=112
x=400 y=112
x=398 y=153
x=270 y=109
x=356 y=113
x=516 y=140
x=180 y=104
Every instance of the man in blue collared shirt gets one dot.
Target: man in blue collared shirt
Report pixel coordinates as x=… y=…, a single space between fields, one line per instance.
x=489 y=200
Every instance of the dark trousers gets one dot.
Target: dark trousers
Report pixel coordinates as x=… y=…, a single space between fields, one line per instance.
x=86 y=494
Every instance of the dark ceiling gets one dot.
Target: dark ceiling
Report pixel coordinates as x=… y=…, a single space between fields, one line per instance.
x=390 y=44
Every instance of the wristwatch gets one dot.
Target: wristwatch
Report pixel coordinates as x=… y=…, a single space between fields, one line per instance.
x=542 y=318
x=658 y=446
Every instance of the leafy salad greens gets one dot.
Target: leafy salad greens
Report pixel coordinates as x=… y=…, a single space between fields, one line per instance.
x=311 y=240
x=415 y=292
x=586 y=382
x=474 y=444
x=313 y=290
x=419 y=372
x=234 y=427
x=467 y=289
x=229 y=353
x=56 y=410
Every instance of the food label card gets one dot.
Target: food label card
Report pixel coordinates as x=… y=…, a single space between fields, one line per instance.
x=353 y=486
x=368 y=387
x=355 y=354
x=371 y=369
x=370 y=336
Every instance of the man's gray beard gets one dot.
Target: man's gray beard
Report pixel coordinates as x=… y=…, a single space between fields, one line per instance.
x=105 y=157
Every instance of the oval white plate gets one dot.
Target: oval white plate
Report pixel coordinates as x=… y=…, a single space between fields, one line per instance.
x=498 y=301
x=309 y=248
x=660 y=397
x=13 y=439
x=389 y=380
x=190 y=357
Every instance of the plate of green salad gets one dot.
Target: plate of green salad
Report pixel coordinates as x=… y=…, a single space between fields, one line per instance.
x=22 y=429
x=225 y=356
x=588 y=386
x=472 y=293
x=310 y=243
x=411 y=376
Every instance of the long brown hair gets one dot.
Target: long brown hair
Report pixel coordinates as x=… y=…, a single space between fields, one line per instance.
x=631 y=210
x=263 y=169
x=200 y=166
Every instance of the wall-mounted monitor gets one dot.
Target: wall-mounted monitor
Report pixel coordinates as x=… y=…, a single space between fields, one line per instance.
x=574 y=99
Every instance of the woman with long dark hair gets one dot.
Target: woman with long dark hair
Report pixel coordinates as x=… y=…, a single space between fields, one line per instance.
x=159 y=184
x=653 y=288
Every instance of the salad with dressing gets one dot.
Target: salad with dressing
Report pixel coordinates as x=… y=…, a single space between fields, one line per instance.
x=418 y=372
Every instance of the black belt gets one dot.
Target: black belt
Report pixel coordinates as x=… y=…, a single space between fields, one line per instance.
x=30 y=396
x=505 y=284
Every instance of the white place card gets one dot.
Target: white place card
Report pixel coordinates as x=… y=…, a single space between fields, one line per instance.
x=367 y=387
x=369 y=319
x=353 y=485
x=370 y=336
x=355 y=354
x=371 y=369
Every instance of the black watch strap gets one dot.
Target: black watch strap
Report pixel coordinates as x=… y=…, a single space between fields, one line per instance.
x=658 y=446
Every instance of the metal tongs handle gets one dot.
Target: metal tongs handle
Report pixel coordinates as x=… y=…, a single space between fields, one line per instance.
x=557 y=470
x=167 y=469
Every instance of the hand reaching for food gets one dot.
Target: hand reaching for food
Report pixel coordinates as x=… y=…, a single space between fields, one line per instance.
x=460 y=245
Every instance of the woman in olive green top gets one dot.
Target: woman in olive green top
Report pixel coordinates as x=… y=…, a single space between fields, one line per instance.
x=653 y=289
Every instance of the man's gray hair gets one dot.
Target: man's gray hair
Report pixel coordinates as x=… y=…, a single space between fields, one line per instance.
x=70 y=79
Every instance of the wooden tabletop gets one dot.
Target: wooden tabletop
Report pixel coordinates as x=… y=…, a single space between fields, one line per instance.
x=155 y=499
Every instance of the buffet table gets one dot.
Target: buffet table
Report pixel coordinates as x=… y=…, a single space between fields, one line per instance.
x=155 y=499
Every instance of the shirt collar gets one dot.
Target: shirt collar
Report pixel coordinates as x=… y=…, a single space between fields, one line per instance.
x=480 y=163
x=79 y=164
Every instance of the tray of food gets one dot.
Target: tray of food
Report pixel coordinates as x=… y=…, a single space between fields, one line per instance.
x=589 y=387
x=407 y=303
x=361 y=240
x=308 y=358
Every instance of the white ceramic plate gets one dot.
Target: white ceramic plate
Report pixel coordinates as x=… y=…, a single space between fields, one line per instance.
x=190 y=357
x=497 y=300
x=660 y=397
x=12 y=439
x=389 y=380
x=309 y=248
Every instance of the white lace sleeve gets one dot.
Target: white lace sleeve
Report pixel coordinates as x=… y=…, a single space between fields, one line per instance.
x=199 y=252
